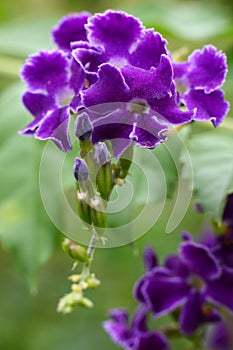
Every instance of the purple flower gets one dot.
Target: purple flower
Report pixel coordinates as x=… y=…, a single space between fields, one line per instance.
x=202 y=76
x=192 y=281
x=221 y=244
x=110 y=66
x=219 y=336
x=52 y=81
x=134 y=336
x=129 y=65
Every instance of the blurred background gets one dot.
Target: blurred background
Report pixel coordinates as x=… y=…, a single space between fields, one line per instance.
x=33 y=268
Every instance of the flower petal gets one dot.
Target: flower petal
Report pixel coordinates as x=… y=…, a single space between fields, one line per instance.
x=208 y=106
x=110 y=87
x=220 y=290
x=148 y=51
x=115 y=31
x=164 y=294
x=194 y=314
x=150 y=258
x=154 y=83
x=46 y=71
x=70 y=28
x=151 y=341
x=199 y=260
x=208 y=69
x=38 y=105
x=55 y=127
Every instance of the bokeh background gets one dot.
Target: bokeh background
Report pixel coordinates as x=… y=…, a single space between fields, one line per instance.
x=33 y=268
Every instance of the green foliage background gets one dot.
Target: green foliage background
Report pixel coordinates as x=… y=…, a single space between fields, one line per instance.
x=28 y=295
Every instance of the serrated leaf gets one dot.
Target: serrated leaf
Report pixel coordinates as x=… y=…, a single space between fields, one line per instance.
x=212 y=159
x=25 y=229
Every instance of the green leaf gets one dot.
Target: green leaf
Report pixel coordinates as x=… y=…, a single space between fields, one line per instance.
x=21 y=38
x=187 y=20
x=25 y=229
x=212 y=160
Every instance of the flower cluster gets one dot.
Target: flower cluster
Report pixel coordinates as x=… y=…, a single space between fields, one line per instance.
x=123 y=76
x=194 y=285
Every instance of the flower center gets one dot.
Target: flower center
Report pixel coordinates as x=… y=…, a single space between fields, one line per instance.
x=64 y=97
x=196 y=282
x=138 y=107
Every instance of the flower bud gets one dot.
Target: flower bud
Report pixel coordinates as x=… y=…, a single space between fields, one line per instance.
x=80 y=170
x=83 y=127
x=83 y=207
x=102 y=155
x=104 y=170
x=98 y=214
x=76 y=251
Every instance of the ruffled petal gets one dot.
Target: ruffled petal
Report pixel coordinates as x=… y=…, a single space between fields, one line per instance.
x=70 y=28
x=154 y=83
x=148 y=51
x=55 y=126
x=46 y=71
x=38 y=105
x=170 y=111
x=88 y=55
x=208 y=106
x=110 y=87
x=77 y=79
x=115 y=31
x=208 y=69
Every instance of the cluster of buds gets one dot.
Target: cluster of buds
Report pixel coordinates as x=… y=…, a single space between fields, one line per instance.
x=95 y=175
x=80 y=282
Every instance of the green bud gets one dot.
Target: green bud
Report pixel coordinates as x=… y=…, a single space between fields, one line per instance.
x=93 y=282
x=85 y=302
x=76 y=251
x=104 y=180
x=98 y=214
x=83 y=207
x=104 y=170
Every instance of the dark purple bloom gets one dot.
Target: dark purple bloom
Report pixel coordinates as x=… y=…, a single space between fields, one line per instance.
x=192 y=280
x=134 y=336
x=201 y=77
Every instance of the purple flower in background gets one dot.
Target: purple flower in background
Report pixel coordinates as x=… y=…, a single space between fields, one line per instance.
x=221 y=244
x=193 y=281
x=219 y=336
x=135 y=336
x=201 y=77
